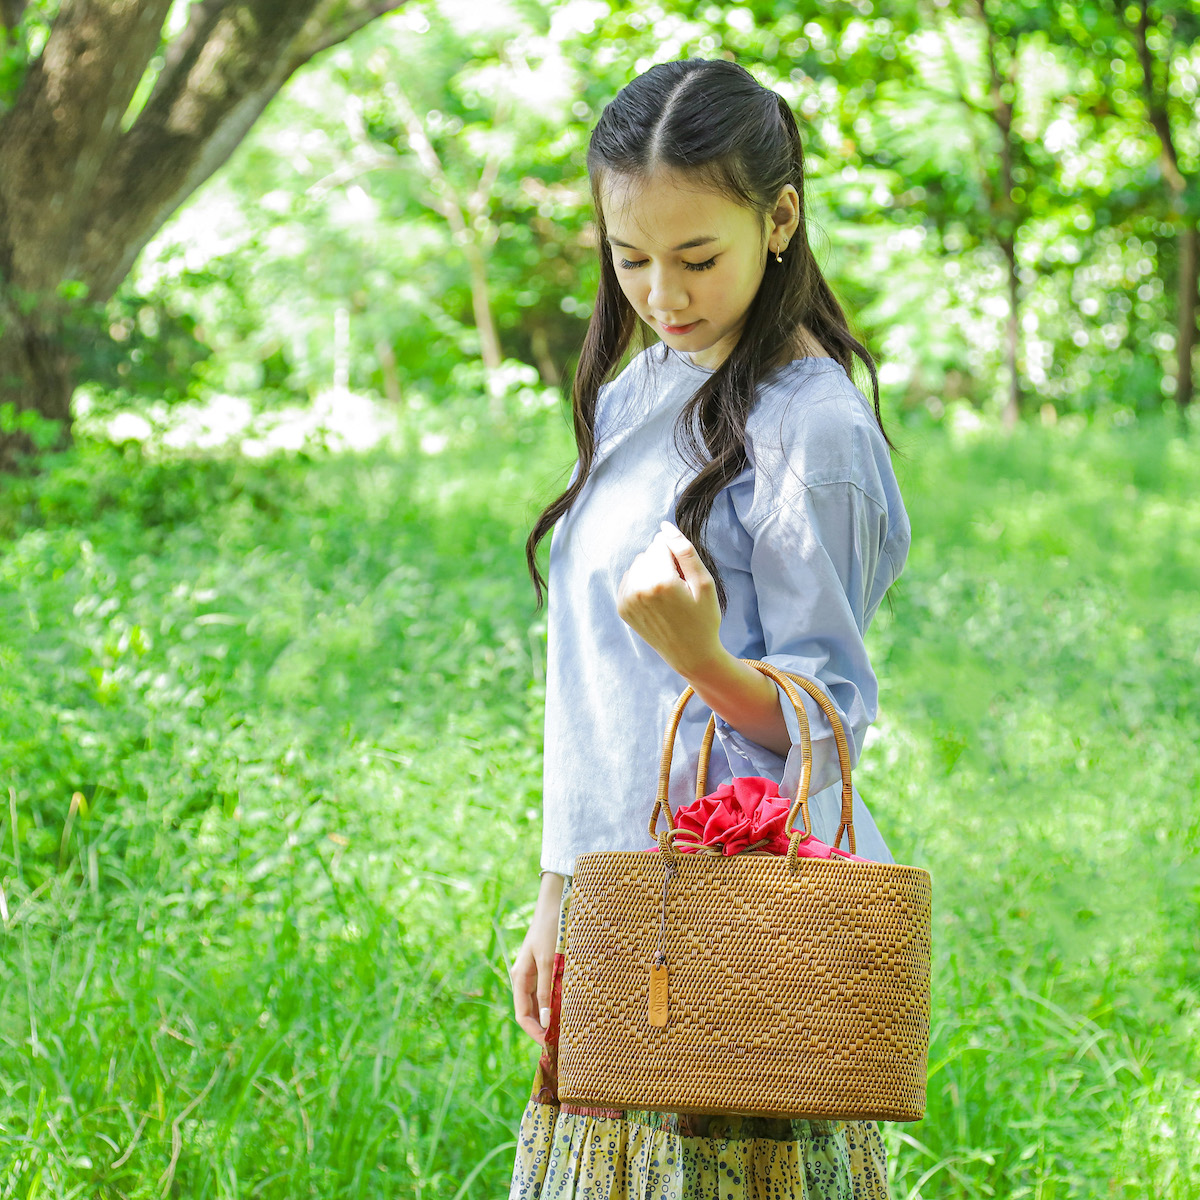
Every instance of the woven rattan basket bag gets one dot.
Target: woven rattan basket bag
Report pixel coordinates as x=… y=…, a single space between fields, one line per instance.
x=755 y=984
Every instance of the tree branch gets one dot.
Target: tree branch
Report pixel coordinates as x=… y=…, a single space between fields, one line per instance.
x=56 y=140
x=456 y=211
x=330 y=28
x=960 y=83
x=240 y=54
x=1156 y=106
x=477 y=201
x=448 y=204
x=182 y=51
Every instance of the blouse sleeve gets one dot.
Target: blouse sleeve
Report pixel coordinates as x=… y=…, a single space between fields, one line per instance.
x=815 y=566
x=821 y=560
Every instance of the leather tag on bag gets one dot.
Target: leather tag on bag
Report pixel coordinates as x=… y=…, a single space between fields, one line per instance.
x=658 y=996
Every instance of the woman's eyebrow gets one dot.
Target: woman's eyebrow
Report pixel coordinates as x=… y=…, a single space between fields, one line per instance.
x=700 y=241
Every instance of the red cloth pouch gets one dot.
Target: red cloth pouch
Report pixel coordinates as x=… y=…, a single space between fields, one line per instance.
x=745 y=814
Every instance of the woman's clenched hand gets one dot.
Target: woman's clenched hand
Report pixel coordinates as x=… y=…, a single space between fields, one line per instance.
x=669 y=599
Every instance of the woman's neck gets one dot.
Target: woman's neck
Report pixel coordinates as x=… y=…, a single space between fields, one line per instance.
x=806 y=345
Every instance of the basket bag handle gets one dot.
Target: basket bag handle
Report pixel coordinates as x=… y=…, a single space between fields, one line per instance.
x=800 y=805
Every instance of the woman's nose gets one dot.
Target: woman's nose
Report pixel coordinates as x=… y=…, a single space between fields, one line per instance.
x=667 y=293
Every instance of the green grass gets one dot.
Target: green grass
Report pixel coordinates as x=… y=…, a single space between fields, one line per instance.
x=269 y=781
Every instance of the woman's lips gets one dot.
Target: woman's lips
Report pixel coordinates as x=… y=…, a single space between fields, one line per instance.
x=678 y=328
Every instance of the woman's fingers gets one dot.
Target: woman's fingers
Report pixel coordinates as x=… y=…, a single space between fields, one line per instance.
x=545 y=992
x=644 y=579
x=664 y=539
x=533 y=968
x=669 y=599
x=668 y=560
x=687 y=560
x=526 y=982
x=528 y=1022
x=653 y=571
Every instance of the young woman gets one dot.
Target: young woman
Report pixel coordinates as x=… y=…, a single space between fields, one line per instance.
x=733 y=498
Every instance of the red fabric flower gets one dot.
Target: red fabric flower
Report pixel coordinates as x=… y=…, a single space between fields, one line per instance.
x=743 y=813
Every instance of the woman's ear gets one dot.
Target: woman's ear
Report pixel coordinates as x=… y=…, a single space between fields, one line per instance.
x=785 y=220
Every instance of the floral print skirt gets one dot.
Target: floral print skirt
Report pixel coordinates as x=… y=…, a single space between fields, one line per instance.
x=566 y=1152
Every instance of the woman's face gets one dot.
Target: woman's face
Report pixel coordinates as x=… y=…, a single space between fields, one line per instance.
x=689 y=261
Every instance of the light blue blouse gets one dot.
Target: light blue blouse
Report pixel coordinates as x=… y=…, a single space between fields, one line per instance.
x=808 y=539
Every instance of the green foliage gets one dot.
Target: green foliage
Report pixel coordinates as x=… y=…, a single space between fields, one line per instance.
x=269 y=814
x=909 y=205
x=347 y=219
x=41 y=431
x=137 y=346
x=297 y=732
x=21 y=44
x=346 y=243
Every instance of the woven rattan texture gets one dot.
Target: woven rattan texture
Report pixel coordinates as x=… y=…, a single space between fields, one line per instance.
x=799 y=994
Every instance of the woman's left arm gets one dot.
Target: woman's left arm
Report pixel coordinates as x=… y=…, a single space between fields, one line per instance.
x=668 y=597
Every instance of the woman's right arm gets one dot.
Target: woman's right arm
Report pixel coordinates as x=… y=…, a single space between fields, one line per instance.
x=533 y=970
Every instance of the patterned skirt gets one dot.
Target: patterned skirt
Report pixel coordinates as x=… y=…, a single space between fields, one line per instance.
x=565 y=1152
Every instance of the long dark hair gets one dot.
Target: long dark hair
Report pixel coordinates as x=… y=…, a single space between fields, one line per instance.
x=713 y=121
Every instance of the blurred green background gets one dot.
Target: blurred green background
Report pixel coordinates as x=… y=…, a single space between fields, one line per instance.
x=271 y=676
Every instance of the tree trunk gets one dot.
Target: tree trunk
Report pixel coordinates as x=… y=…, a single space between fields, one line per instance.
x=1156 y=87
x=445 y=200
x=1012 y=349
x=391 y=379
x=35 y=376
x=1005 y=212
x=481 y=306
x=82 y=191
x=1185 y=333
x=540 y=345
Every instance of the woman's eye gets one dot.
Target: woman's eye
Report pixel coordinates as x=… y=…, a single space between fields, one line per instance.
x=628 y=265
